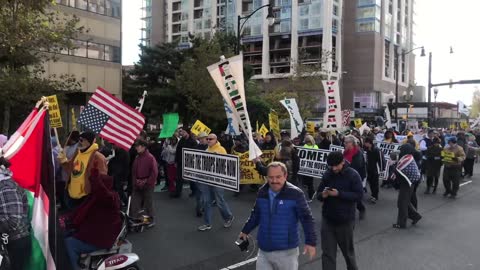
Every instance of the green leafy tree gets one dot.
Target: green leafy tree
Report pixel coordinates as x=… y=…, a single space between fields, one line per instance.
x=155 y=72
x=32 y=33
x=475 y=109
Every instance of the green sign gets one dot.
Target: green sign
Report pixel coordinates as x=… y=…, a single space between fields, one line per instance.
x=170 y=124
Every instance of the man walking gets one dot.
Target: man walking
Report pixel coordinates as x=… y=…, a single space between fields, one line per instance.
x=185 y=142
x=217 y=193
x=340 y=190
x=453 y=156
x=375 y=164
x=278 y=209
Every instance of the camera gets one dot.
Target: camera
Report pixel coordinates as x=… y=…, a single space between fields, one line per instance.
x=242 y=244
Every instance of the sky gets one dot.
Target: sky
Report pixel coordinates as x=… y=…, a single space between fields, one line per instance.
x=439 y=24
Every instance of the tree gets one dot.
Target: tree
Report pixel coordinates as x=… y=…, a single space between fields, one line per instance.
x=32 y=33
x=193 y=82
x=475 y=109
x=155 y=72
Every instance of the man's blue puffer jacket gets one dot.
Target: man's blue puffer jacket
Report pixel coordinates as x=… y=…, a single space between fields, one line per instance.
x=278 y=227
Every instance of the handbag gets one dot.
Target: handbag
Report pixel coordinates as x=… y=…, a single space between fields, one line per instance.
x=5 y=263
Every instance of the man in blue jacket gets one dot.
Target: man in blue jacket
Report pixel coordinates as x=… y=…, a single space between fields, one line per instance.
x=340 y=189
x=278 y=209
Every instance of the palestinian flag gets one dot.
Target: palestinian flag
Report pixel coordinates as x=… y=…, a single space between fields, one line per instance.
x=29 y=151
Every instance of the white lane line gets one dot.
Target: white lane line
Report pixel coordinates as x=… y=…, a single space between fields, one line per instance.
x=466 y=183
x=240 y=264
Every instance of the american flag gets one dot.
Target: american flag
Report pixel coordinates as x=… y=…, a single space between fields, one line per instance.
x=112 y=119
x=407 y=167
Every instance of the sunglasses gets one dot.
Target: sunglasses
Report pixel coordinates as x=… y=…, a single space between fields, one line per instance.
x=210 y=139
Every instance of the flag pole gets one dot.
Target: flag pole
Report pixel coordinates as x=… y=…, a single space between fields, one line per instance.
x=141 y=101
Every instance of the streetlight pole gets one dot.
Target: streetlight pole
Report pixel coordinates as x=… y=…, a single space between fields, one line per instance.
x=429 y=104
x=396 y=75
x=435 y=93
x=270 y=18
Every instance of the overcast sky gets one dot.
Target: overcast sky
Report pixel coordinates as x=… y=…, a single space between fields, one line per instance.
x=439 y=25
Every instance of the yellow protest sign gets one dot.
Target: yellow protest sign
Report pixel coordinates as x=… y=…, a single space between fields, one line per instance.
x=248 y=173
x=425 y=124
x=274 y=124
x=263 y=130
x=200 y=127
x=358 y=122
x=453 y=126
x=448 y=156
x=311 y=127
x=74 y=120
x=464 y=124
x=54 y=112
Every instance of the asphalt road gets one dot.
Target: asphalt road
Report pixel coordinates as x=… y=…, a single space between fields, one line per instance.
x=446 y=238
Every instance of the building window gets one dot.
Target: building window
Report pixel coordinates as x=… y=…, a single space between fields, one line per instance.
x=368 y=12
x=112 y=54
x=404 y=73
x=335 y=10
x=368 y=26
x=96 y=51
x=80 y=48
x=369 y=2
x=110 y=8
x=97 y=6
x=335 y=25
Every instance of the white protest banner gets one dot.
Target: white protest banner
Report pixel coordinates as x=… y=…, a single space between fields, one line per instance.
x=228 y=76
x=335 y=148
x=333 y=112
x=212 y=169
x=296 y=122
x=388 y=148
x=233 y=126
x=313 y=162
x=388 y=124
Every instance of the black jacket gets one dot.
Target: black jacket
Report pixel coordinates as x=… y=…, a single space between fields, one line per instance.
x=341 y=209
x=184 y=143
x=358 y=164
x=408 y=149
x=375 y=161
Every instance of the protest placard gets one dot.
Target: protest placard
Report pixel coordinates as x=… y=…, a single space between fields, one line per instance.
x=212 y=169
x=388 y=148
x=199 y=127
x=170 y=124
x=334 y=148
x=448 y=156
x=263 y=130
x=54 y=112
x=248 y=173
x=313 y=162
x=310 y=127
x=358 y=122
x=274 y=124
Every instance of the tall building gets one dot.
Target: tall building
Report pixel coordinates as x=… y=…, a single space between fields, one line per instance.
x=96 y=60
x=373 y=31
x=153 y=22
x=303 y=32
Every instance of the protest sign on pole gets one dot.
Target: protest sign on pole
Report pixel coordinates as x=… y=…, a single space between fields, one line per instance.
x=388 y=148
x=388 y=123
x=248 y=173
x=464 y=124
x=233 y=128
x=54 y=112
x=296 y=122
x=212 y=169
x=170 y=125
x=274 y=124
x=346 y=117
x=199 y=127
x=310 y=127
x=313 y=162
x=263 y=130
x=228 y=77
x=333 y=115
x=358 y=122
x=335 y=148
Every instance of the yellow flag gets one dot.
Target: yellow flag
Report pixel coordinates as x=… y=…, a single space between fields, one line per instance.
x=74 y=120
x=200 y=127
x=464 y=124
x=274 y=123
x=358 y=122
x=263 y=130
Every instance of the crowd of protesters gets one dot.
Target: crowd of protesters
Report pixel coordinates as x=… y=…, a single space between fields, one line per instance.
x=94 y=180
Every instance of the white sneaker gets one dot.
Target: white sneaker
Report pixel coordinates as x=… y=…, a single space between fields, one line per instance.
x=205 y=227
x=229 y=222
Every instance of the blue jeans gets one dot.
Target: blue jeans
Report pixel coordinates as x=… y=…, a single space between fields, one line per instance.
x=210 y=193
x=75 y=248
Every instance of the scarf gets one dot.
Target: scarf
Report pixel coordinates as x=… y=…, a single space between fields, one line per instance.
x=349 y=154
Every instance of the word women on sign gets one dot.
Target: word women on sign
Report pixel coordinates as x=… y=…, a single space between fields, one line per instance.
x=313 y=162
x=212 y=169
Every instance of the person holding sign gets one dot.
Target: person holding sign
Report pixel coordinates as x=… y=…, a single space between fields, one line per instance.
x=375 y=164
x=308 y=180
x=340 y=190
x=215 y=147
x=278 y=209
x=453 y=156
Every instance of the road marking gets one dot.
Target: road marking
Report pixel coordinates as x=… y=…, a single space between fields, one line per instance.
x=463 y=184
x=240 y=264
